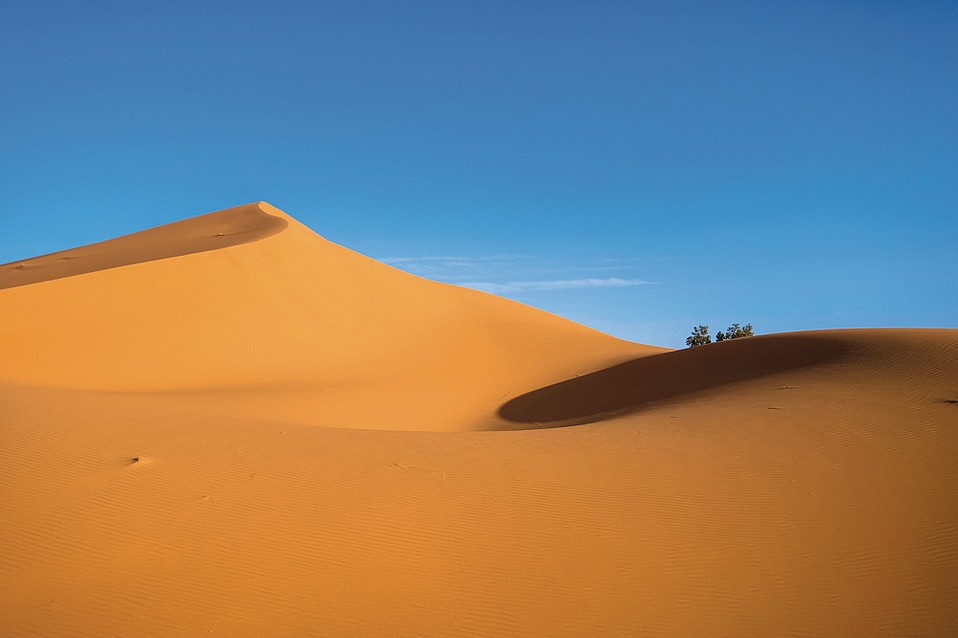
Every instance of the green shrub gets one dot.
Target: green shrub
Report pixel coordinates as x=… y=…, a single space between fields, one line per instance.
x=700 y=334
x=700 y=337
x=735 y=331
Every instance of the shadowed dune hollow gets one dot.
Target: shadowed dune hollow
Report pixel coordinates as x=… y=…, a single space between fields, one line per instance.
x=642 y=383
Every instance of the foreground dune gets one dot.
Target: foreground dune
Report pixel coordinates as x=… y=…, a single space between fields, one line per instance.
x=231 y=426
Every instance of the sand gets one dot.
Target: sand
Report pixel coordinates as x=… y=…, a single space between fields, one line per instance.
x=232 y=426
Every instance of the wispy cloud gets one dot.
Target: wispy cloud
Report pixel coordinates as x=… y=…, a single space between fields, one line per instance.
x=455 y=268
x=552 y=284
x=512 y=274
x=453 y=259
x=416 y=260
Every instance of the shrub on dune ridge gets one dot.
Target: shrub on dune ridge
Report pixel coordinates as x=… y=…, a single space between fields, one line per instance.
x=735 y=331
x=700 y=334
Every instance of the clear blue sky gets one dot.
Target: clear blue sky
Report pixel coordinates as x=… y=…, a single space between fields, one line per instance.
x=636 y=166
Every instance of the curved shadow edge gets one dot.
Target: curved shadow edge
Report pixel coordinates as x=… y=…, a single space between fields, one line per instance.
x=637 y=384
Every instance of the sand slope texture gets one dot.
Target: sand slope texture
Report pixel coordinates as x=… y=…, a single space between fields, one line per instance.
x=231 y=426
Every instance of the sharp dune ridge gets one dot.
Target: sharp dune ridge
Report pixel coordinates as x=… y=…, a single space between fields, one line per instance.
x=212 y=231
x=230 y=425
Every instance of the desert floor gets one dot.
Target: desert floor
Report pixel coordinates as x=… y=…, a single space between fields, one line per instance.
x=231 y=426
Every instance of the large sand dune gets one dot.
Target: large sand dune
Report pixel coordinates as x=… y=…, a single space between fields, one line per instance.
x=231 y=426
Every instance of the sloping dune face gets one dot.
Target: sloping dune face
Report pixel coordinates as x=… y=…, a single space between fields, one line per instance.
x=251 y=310
x=230 y=426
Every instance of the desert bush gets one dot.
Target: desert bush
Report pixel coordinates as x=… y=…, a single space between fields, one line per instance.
x=700 y=334
x=735 y=331
x=700 y=337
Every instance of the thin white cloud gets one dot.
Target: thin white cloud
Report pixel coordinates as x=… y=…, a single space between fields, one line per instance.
x=489 y=273
x=459 y=260
x=553 y=284
x=416 y=260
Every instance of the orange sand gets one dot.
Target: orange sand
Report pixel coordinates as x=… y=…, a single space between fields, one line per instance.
x=231 y=426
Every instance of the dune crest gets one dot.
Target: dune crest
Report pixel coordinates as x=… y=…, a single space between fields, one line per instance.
x=212 y=231
x=232 y=426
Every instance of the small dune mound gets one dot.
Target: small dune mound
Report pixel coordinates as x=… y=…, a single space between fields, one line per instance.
x=640 y=383
x=897 y=357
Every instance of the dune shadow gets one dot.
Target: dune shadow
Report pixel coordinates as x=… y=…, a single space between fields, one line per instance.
x=212 y=231
x=638 y=384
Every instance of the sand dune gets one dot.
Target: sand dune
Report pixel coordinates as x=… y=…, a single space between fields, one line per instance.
x=288 y=322
x=232 y=426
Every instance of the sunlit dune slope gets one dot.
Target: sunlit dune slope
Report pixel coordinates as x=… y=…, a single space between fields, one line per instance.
x=252 y=304
x=230 y=426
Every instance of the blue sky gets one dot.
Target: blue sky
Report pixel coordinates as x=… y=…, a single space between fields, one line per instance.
x=636 y=166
